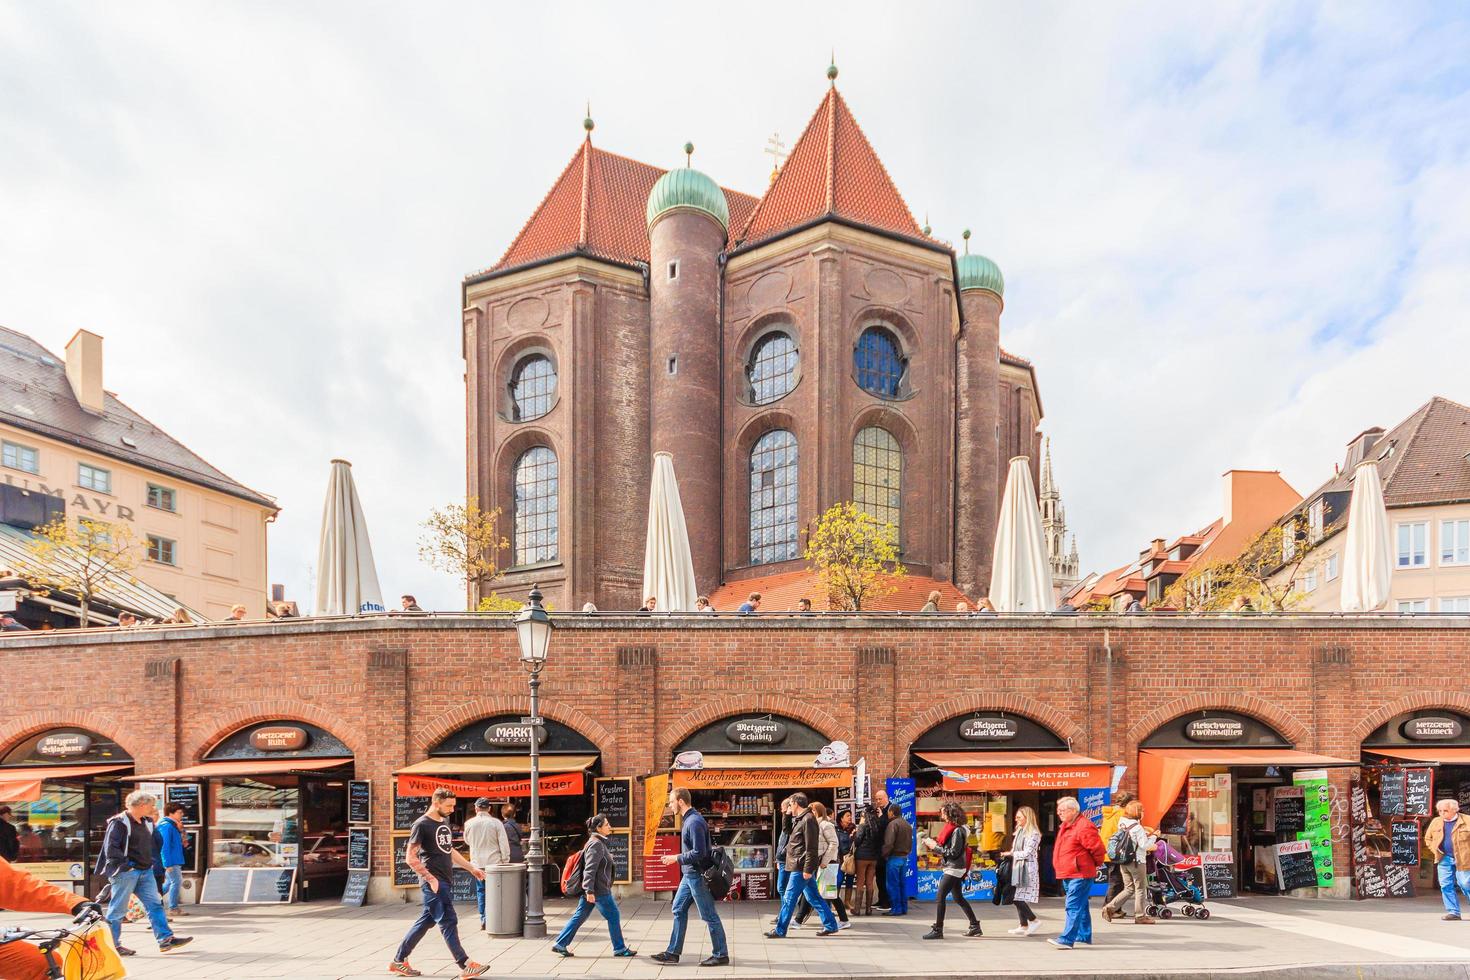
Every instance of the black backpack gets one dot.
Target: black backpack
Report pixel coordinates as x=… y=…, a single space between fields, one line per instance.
x=1122 y=848
x=720 y=873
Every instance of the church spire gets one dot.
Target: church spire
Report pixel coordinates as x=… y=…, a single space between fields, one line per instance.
x=1048 y=482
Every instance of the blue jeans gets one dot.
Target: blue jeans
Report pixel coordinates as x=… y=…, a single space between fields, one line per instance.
x=781 y=874
x=438 y=908
x=125 y=884
x=898 y=889
x=693 y=891
x=1078 y=927
x=173 y=886
x=608 y=906
x=797 y=886
x=480 y=898
x=1448 y=879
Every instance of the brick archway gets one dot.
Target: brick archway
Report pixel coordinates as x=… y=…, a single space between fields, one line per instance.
x=22 y=727
x=1413 y=702
x=253 y=713
x=776 y=704
x=507 y=704
x=1043 y=714
x=1247 y=704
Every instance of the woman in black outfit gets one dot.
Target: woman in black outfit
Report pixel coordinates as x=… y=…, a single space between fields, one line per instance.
x=954 y=856
x=867 y=852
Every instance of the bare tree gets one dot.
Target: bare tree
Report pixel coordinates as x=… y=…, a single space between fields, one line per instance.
x=80 y=559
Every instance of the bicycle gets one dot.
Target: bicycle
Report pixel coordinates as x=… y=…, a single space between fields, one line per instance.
x=88 y=919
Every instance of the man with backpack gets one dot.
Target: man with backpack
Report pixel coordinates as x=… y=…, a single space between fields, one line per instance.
x=589 y=875
x=694 y=858
x=803 y=859
x=126 y=862
x=1128 y=849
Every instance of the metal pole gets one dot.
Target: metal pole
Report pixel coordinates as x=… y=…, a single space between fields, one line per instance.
x=535 y=924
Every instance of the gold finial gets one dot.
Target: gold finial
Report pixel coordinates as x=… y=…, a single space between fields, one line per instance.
x=832 y=68
x=777 y=151
x=587 y=123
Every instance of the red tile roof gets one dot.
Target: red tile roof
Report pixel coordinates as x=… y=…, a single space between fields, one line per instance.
x=780 y=591
x=832 y=170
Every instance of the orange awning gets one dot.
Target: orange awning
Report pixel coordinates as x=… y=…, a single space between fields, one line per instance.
x=1041 y=769
x=1163 y=772
x=22 y=784
x=243 y=767
x=1456 y=756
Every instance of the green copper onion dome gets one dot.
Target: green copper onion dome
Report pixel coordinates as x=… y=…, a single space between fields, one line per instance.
x=688 y=188
x=978 y=272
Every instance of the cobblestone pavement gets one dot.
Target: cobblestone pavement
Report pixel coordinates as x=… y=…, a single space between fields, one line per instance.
x=1309 y=939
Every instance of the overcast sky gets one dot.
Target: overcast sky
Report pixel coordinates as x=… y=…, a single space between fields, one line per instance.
x=1232 y=235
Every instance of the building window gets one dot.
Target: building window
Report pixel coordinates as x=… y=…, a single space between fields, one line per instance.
x=1414 y=545
x=1316 y=519
x=163 y=498
x=536 y=518
x=1288 y=541
x=1454 y=542
x=673 y=270
x=93 y=478
x=1331 y=568
x=1455 y=604
x=19 y=457
x=773 y=498
x=772 y=368
x=1309 y=581
x=877 y=478
x=532 y=388
x=1413 y=605
x=879 y=363
x=162 y=550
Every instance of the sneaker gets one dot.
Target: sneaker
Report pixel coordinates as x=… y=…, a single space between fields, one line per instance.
x=124 y=951
x=773 y=934
x=1032 y=926
x=625 y=952
x=1018 y=931
x=472 y=969
x=715 y=961
x=1451 y=917
x=665 y=957
x=974 y=930
x=844 y=925
x=403 y=969
x=174 y=942
x=1058 y=944
x=882 y=908
x=826 y=932
x=561 y=951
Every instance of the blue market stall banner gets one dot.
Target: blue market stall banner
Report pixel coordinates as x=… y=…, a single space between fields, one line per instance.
x=979 y=884
x=901 y=791
x=1092 y=802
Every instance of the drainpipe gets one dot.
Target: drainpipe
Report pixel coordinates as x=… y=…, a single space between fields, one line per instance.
x=1108 y=661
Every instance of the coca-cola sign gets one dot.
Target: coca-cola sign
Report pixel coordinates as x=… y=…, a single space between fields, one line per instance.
x=988 y=729
x=756 y=731
x=1215 y=729
x=1432 y=729
x=279 y=738
x=64 y=745
x=510 y=733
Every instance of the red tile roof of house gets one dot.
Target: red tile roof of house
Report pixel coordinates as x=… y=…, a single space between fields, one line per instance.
x=780 y=591
x=832 y=170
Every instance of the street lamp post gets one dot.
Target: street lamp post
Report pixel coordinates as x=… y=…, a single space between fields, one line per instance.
x=533 y=631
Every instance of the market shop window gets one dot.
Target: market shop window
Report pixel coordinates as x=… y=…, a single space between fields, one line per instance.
x=879 y=364
x=1413 y=605
x=254 y=824
x=1455 y=604
x=773 y=367
x=1454 y=542
x=163 y=498
x=162 y=550
x=24 y=458
x=773 y=493
x=535 y=514
x=94 y=478
x=877 y=478
x=50 y=827
x=532 y=388
x=1413 y=540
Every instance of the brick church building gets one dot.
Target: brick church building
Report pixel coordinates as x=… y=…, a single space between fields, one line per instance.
x=808 y=346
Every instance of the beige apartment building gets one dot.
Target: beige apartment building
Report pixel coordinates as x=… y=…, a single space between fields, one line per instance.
x=1424 y=463
x=201 y=534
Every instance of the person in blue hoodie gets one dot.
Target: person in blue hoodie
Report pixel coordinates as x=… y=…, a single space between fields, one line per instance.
x=168 y=856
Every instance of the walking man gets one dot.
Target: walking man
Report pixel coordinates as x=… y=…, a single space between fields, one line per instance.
x=170 y=856
x=127 y=864
x=432 y=856
x=9 y=839
x=1448 y=839
x=693 y=858
x=898 y=841
x=803 y=858
x=485 y=835
x=1078 y=852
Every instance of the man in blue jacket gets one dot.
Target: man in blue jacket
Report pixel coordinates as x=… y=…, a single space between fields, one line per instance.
x=168 y=856
x=694 y=858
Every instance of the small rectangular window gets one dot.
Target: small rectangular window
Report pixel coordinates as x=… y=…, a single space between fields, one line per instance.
x=94 y=478
x=1455 y=604
x=162 y=498
x=1309 y=581
x=1316 y=519
x=162 y=550
x=674 y=364
x=1413 y=544
x=19 y=457
x=1331 y=567
x=673 y=270
x=1413 y=605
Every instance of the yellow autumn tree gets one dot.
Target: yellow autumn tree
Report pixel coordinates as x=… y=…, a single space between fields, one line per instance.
x=465 y=541
x=1267 y=572
x=80 y=559
x=855 y=554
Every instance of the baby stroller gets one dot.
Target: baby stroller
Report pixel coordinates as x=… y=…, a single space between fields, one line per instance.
x=1170 y=883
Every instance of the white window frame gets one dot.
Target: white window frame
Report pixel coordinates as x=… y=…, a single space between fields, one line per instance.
x=173 y=498
x=90 y=482
x=1459 y=527
x=1288 y=542
x=19 y=449
x=1399 y=553
x=156 y=542
x=1461 y=601
x=1333 y=561
x=1309 y=581
x=1315 y=513
x=1411 y=603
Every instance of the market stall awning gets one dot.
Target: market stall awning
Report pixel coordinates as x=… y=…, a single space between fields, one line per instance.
x=762 y=770
x=1446 y=754
x=1040 y=769
x=243 y=767
x=22 y=784
x=496 y=765
x=1163 y=772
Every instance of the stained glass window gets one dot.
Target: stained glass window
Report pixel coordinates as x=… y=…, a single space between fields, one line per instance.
x=536 y=517
x=877 y=477
x=773 y=498
x=879 y=363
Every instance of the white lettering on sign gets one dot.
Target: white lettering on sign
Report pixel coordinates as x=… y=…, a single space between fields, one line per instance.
x=758 y=731
x=1214 y=729
x=1431 y=728
x=987 y=729
x=63 y=745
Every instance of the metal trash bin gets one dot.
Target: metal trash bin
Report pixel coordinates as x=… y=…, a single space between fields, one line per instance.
x=505 y=899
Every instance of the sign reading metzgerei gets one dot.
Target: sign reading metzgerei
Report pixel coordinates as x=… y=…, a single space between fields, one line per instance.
x=64 y=745
x=756 y=731
x=1431 y=729
x=510 y=733
x=1214 y=729
x=278 y=738
x=987 y=729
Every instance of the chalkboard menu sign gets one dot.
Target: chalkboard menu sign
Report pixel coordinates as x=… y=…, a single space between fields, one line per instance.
x=359 y=801
x=355 y=892
x=403 y=875
x=191 y=851
x=1291 y=811
x=1391 y=787
x=757 y=885
x=463 y=888
x=614 y=799
x=1418 y=791
x=270 y=885
x=225 y=886
x=186 y=795
x=658 y=877
x=618 y=847
x=1398 y=882
x=1405 y=837
x=1295 y=867
x=248 y=886
x=359 y=849
x=1219 y=879
x=1463 y=795
x=407 y=809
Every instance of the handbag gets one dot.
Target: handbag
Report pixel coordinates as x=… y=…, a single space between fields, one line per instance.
x=827 y=881
x=90 y=954
x=849 y=866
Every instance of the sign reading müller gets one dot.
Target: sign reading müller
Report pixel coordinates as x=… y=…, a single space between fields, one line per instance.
x=988 y=729
x=756 y=731
x=1215 y=730
x=279 y=738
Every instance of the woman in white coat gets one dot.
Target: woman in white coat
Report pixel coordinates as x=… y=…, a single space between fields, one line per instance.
x=1025 y=870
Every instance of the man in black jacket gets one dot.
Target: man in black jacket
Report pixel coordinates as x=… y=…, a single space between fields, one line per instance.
x=126 y=862
x=803 y=859
x=9 y=839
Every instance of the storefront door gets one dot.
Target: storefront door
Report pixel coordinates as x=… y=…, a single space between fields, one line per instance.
x=103 y=801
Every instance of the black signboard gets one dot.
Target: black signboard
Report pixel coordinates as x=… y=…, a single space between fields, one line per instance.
x=1398 y=882
x=1296 y=868
x=613 y=799
x=359 y=849
x=225 y=886
x=1391 y=786
x=1405 y=836
x=407 y=809
x=757 y=885
x=359 y=801
x=464 y=886
x=1291 y=816
x=403 y=875
x=1418 y=792
x=355 y=892
x=1463 y=795
x=270 y=885
x=1219 y=880
x=622 y=857
x=186 y=795
x=191 y=851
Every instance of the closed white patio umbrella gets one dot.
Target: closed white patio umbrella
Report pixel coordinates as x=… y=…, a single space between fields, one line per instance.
x=1020 y=575
x=347 y=581
x=1367 y=572
x=668 y=566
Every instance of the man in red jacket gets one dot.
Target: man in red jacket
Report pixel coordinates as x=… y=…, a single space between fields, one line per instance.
x=1078 y=852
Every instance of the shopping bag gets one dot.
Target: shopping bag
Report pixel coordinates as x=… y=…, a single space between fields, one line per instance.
x=827 y=881
x=90 y=955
